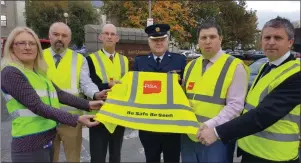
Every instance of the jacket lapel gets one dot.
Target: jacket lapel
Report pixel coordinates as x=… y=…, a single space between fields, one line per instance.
x=151 y=62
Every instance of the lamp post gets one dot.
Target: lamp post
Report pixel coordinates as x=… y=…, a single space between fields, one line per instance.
x=66 y=17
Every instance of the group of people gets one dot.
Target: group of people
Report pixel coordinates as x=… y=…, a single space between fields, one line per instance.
x=52 y=93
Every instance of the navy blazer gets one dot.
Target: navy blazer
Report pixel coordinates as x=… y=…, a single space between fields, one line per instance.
x=170 y=62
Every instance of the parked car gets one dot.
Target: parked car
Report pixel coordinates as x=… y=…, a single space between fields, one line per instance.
x=254 y=68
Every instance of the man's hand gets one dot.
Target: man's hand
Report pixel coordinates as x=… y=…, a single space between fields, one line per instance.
x=102 y=95
x=95 y=105
x=207 y=136
x=202 y=127
x=112 y=83
x=86 y=120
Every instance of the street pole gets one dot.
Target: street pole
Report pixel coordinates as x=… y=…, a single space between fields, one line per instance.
x=150 y=8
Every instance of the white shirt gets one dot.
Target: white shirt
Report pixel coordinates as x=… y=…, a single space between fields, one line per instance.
x=278 y=61
x=107 y=53
x=161 y=57
x=86 y=85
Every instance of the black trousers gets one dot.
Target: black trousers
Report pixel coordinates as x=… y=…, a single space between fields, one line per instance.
x=100 y=139
x=155 y=143
x=248 y=158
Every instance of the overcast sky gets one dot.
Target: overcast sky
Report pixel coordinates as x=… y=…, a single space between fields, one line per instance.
x=267 y=10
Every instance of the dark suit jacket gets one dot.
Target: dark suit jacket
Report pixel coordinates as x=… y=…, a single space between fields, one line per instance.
x=277 y=104
x=170 y=61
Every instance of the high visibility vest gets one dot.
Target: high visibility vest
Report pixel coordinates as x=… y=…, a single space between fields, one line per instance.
x=149 y=101
x=278 y=142
x=67 y=75
x=24 y=121
x=207 y=93
x=107 y=70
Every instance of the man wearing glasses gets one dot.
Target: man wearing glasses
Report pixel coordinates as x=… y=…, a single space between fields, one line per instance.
x=107 y=67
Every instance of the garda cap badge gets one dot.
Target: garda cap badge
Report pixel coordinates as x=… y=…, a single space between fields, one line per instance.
x=157 y=29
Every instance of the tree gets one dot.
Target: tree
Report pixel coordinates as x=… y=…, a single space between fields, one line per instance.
x=135 y=13
x=41 y=14
x=239 y=25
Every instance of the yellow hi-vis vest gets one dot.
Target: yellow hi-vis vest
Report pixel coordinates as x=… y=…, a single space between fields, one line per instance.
x=208 y=92
x=278 y=142
x=149 y=101
x=106 y=70
x=67 y=75
x=24 y=121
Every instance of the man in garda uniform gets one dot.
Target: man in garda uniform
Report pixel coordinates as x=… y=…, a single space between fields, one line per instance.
x=216 y=85
x=70 y=72
x=269 y=128
x=107 y=67
x=160 y=60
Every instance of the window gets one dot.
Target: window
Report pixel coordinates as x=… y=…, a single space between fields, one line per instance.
x=2 y=2
x=3 y=20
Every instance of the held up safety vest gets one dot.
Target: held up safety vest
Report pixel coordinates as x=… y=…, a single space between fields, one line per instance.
x=24 y=121
x=107 y=70
x=279 y=142
x=66 y=75
x=207 y=90
x=149 y=101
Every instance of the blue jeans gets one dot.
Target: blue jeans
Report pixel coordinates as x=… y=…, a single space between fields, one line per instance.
x=196 y=152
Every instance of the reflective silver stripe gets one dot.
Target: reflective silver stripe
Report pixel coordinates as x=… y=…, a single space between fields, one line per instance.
x=288 y=117
x=248 y=106
x=74 y=82
x=216 y=98
x=170 y=90
x=102 y=68
x=22 y=113
x=189 y=71
x=266 y=90
x=277 y=136
x=148 y=106
x=41 y=93
x=202 y=118
x=68 y=108
x=210 y=99
x=71 y=91
x=122 y=64
x=170 y=104
x=190 y=95
x=152 y=121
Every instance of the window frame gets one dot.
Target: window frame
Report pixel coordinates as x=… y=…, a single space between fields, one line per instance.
x=4 y=20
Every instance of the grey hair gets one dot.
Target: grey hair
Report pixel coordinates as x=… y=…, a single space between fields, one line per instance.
x=280 y=22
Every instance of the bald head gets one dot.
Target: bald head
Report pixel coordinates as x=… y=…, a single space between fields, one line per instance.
x=60 y=25
x=59 y=36
x=109 y=37
x=110 y=27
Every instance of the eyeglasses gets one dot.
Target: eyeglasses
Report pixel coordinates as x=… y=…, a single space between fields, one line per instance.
x=109 y=34
x=23 y=44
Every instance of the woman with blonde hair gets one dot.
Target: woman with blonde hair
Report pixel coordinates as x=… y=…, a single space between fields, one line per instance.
x=33 y=100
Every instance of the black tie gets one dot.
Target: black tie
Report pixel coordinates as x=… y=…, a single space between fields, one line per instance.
x=158 y=60
x=58 y=59
x=205 y=62
x=267 y=69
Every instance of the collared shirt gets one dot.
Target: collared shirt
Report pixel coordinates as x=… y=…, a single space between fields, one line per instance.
x=278 y=61
x=107 y=53
x=235 y=96
x=87 y=87
x=161 y=57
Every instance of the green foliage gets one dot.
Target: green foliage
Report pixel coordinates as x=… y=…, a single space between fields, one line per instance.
x=238 y=24
x=41 y=14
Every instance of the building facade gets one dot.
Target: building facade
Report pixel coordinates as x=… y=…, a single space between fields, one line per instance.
x=12 y=15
